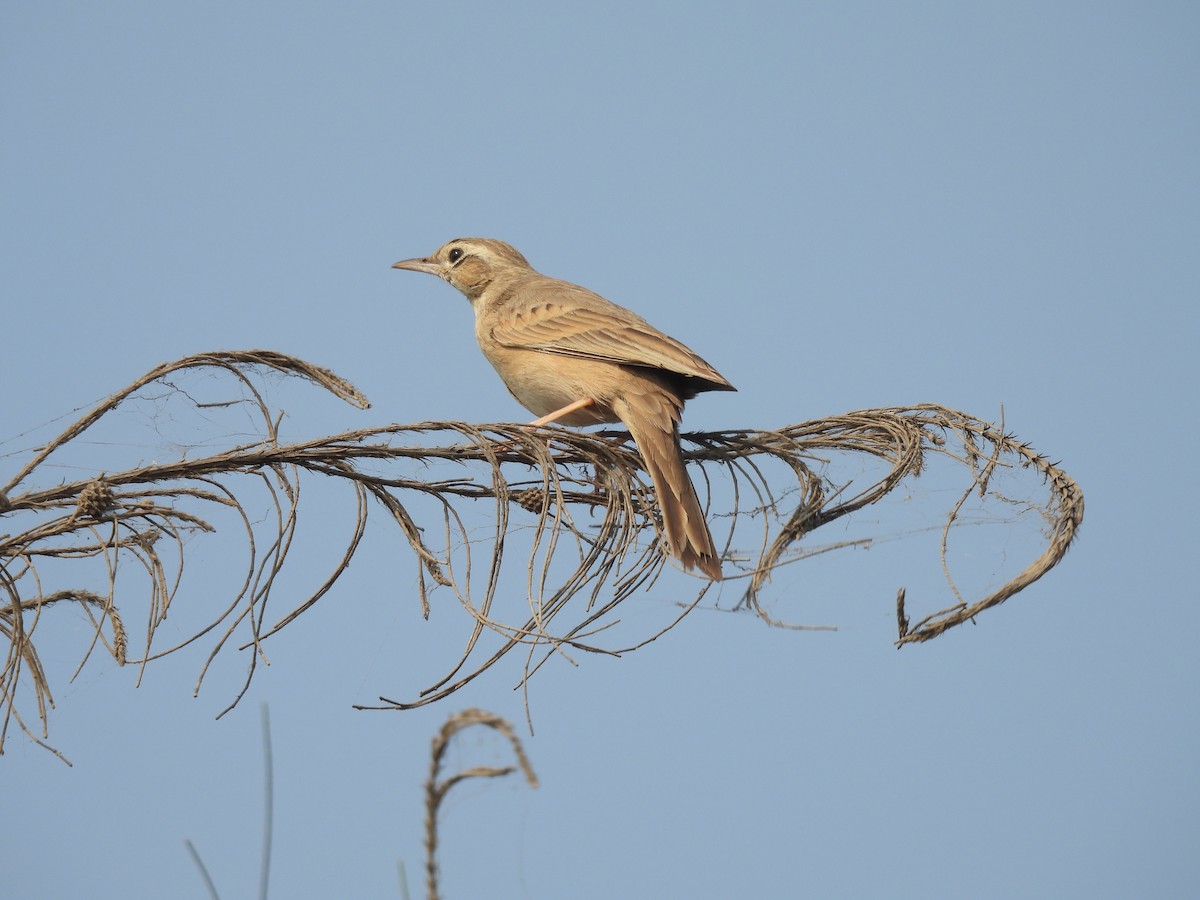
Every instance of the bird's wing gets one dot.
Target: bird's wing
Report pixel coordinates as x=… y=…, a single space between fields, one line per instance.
x=618 y=336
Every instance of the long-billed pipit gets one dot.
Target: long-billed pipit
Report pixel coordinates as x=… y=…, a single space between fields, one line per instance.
x=570 y=356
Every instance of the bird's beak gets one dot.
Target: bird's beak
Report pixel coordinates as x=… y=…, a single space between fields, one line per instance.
x=428 y=266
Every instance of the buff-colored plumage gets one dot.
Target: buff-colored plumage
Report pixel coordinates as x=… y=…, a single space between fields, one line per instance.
x=570 y=356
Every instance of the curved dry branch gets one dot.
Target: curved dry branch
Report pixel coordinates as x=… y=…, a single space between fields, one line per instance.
x=574 y=506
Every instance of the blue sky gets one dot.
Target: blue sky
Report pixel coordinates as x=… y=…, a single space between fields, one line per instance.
x=839 y=206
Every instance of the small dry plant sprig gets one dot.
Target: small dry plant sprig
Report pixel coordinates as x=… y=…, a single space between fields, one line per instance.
x=574 y=506
x=437 y=786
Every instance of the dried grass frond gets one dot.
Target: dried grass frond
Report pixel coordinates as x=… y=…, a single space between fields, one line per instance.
x=575 y=506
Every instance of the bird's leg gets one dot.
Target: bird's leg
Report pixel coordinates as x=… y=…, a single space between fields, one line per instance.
x=582 y=403
x=552 y=417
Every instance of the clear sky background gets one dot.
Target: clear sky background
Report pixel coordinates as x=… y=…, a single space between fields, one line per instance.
x=840 y=206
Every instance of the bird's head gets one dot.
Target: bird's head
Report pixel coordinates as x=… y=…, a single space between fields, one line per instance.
x=470 y=264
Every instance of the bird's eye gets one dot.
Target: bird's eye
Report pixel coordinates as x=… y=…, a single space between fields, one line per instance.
x=455 y=255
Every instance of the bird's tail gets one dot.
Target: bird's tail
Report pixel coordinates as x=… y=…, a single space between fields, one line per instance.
x=653 y=420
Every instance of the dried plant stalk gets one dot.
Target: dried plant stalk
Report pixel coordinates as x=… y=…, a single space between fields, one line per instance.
x=589 y=535
x=436 y=787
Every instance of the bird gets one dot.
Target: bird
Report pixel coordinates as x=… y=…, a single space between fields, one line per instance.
x=571 y=357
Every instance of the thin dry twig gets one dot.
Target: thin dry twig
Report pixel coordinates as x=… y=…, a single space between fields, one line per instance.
x=436 y=787
x=575 y=506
